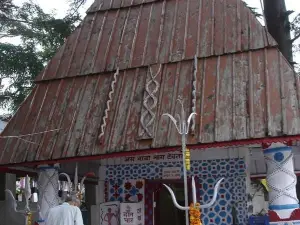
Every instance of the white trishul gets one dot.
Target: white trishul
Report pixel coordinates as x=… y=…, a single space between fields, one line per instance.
x=183 y=125
x=27 y=195
x=194 y=196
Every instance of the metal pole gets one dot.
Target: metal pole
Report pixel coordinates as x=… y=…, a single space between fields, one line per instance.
x=185 y=179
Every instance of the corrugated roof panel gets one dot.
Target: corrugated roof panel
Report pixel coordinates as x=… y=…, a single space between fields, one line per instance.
x=240 y=96
x=157 y=32
x=103 y=5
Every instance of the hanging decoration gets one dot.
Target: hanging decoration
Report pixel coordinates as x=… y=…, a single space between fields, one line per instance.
x=187 y=159
x=195 y=214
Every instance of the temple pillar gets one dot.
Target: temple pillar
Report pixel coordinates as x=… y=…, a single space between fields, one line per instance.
x=7 y=181
x=281 y=180
x=48 y=189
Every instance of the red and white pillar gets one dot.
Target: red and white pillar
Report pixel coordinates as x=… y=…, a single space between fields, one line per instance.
x=281 y=180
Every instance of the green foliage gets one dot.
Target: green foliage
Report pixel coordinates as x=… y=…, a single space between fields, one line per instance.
x=40 y=36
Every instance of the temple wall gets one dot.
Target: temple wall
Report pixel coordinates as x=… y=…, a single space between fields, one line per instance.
x=126 y=178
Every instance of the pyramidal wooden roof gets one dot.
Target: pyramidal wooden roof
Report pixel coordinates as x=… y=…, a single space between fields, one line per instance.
x=214 y=54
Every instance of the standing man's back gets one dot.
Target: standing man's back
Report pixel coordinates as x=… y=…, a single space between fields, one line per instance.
x=66 y=214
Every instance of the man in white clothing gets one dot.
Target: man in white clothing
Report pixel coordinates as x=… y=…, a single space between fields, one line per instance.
x=67 y=213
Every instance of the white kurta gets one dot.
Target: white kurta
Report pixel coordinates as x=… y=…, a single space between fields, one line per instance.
x=64 y=214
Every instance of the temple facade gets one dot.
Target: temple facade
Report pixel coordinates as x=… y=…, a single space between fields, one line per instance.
x=100 y=103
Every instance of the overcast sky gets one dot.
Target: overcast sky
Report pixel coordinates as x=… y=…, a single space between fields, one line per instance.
x=61 y=6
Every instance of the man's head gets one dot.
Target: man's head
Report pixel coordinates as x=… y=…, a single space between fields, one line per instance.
x=73 y=200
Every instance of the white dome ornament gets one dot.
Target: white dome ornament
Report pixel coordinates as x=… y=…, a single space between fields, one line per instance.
x=78 y=187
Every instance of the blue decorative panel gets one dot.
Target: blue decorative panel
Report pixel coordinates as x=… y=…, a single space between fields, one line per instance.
x=115 y=190
x=207 y=172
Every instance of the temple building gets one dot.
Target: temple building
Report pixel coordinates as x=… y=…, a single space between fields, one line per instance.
x=99 y=103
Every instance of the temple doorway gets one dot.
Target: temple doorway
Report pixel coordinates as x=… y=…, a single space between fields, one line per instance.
x=165 y=211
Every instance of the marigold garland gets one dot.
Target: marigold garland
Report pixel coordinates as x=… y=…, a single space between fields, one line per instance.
x=29 y=218
x=195 y=214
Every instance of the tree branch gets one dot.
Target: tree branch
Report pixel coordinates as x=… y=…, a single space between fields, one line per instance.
x=295 y=38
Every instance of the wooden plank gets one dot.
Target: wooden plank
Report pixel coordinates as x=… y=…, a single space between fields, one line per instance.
x=29 y=124
x=219 y=27
x=124 y=102
x=67 y=55
x=230 y=20
x=168 y=91
x=273 y=92
x=42 y=120
x=240 y=92
x=14 y=128
x=177 y=50
x=93 y=43
x=99 y=61
x=245 y=27
x=80 y=119
x=192 y=29
x=116 y=4
x=89 y=143
x=224 y=103
x=256 y=33
x=153 y=34
x=50 y=71
x=258 y=94
x=55 y=120
x=116 y=41
x=62 y=138
x=133 y=121
x=207 y=22
x=83 y=39
x=128 y=39
x=140 y=41
x=208 y=99
x=166 y=38
x=290 y=107
x=239 y=26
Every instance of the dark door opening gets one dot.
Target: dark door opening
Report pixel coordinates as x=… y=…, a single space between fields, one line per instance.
x=165 y=211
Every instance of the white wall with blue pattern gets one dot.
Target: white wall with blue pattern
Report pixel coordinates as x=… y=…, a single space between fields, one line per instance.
x=207 y=172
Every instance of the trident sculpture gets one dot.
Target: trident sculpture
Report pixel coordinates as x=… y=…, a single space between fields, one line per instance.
x=77 y=190
x=183 y=125
x=26 y=212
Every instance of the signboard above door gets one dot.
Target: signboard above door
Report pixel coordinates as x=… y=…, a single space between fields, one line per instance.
x=171 y=173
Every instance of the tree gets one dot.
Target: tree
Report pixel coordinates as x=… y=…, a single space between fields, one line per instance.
x=279 y=26
x=40 y=36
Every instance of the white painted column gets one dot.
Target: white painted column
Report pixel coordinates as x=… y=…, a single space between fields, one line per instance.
x=100 y=189
x=281 y=180
x=48 y=189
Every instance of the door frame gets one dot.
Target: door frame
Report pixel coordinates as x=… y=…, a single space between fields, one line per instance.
x=159 y=185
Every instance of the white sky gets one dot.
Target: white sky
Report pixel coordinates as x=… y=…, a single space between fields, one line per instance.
x=61 y=6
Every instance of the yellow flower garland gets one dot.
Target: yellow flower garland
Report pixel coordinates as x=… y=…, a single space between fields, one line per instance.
x=195 y=214
x=29 y=218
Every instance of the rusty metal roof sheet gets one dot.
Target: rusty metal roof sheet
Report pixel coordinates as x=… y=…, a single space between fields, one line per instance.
x=240 y=85
x=152 y=32
x=240 y=96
